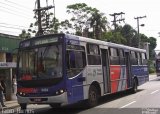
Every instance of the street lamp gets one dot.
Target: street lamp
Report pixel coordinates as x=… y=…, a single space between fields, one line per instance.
x=139 y=40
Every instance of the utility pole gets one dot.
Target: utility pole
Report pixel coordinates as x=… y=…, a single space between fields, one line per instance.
x=40 y=31
x=115 y=15
x=39 y=13
x=139 y=39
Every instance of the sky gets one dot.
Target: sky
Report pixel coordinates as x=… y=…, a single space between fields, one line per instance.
x=18 y=14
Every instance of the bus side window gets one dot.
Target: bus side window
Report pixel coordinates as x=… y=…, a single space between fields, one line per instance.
x=139 y=58
x=67 y=60
x=134 y=58
x=114 y=56
x=122 y=57
x=72 y=59
x=93 y=54
x=144 y=58
x=75 y=61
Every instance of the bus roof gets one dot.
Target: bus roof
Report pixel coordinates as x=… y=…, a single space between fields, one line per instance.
x=90 y=40
x=109 y=44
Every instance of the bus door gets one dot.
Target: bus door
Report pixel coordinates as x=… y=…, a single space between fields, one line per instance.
x=128 y=68
x=106 y=74
x=75 y=61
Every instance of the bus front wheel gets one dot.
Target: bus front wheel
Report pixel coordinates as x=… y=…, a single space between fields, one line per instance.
x=55 y=105
x=93 y=96
x=23 y=106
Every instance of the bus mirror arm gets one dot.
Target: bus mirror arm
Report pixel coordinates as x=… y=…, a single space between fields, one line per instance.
x=81 y=79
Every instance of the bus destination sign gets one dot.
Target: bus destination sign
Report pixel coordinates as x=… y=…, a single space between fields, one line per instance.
x=40 y=41
x=45 y=41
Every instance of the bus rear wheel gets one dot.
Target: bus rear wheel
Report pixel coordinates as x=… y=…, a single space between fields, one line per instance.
x=135 y=86
x=93 y=96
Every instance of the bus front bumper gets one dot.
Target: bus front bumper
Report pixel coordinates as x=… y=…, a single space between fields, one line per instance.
x=62 y=99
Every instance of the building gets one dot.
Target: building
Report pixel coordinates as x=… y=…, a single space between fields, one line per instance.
x=8 y=58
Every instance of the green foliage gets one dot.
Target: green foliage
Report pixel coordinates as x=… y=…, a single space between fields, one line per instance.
x=98 y=22
x=87 y=17
x=91 y=19
x=24 y=35
x=80 y=13
x=115 y=37
x=130 y=35
x=151 y=66
x=152 y=70
x=50 y=24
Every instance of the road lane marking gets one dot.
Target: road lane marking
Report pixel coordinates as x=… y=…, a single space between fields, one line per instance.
x=128 y=104
x=154 y=91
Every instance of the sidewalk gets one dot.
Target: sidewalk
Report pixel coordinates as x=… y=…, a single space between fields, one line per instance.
x=11 y=104
x=152 y=77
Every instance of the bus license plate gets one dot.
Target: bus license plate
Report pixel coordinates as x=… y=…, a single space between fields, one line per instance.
x=37 y=100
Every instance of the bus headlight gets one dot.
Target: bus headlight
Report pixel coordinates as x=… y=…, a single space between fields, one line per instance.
x=22 y=94
x=59 y=92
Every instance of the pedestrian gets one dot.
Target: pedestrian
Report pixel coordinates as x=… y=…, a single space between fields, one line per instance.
x=14 y=84
x=1 y=92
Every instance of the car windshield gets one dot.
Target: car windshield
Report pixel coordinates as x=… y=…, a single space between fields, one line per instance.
x=40 y=63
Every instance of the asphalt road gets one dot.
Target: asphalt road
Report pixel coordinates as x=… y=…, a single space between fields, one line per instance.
x=145 y=101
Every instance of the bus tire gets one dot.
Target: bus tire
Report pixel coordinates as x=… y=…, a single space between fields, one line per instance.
x=93 y=96
x=23 y=106
x=135 y=86
x=55 y=105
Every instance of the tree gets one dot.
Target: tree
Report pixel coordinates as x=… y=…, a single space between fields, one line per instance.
x=152 y=45
x=85 y=17
x=80 y=12
x=50 y=24
x=24 y=35
x=65 y=26
x=98 y=22
x=115 y=37
x=130 y=35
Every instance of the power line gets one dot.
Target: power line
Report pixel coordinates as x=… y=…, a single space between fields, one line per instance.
x=13 y=25
x=19 y=9
x=22 y=16
x=39 y=11
x=115 y=15
x=19 y=12
x=9 y=32
x=22 y=6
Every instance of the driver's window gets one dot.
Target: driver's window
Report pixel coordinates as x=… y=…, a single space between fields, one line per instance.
x=76 y=60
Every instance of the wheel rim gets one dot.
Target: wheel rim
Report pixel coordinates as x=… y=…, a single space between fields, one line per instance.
x=93 y=96
x=135 y=86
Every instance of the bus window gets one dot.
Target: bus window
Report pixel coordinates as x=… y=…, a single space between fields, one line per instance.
x=144 y=59
x=139 y=58
x=76 y=61
x=134 y=58
x=114 y=56
x=42 y=63
x=122 y=58
x=72 y=59
x=93 y=55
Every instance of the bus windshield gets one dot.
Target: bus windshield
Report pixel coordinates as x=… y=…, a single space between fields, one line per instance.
x=40 y=63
